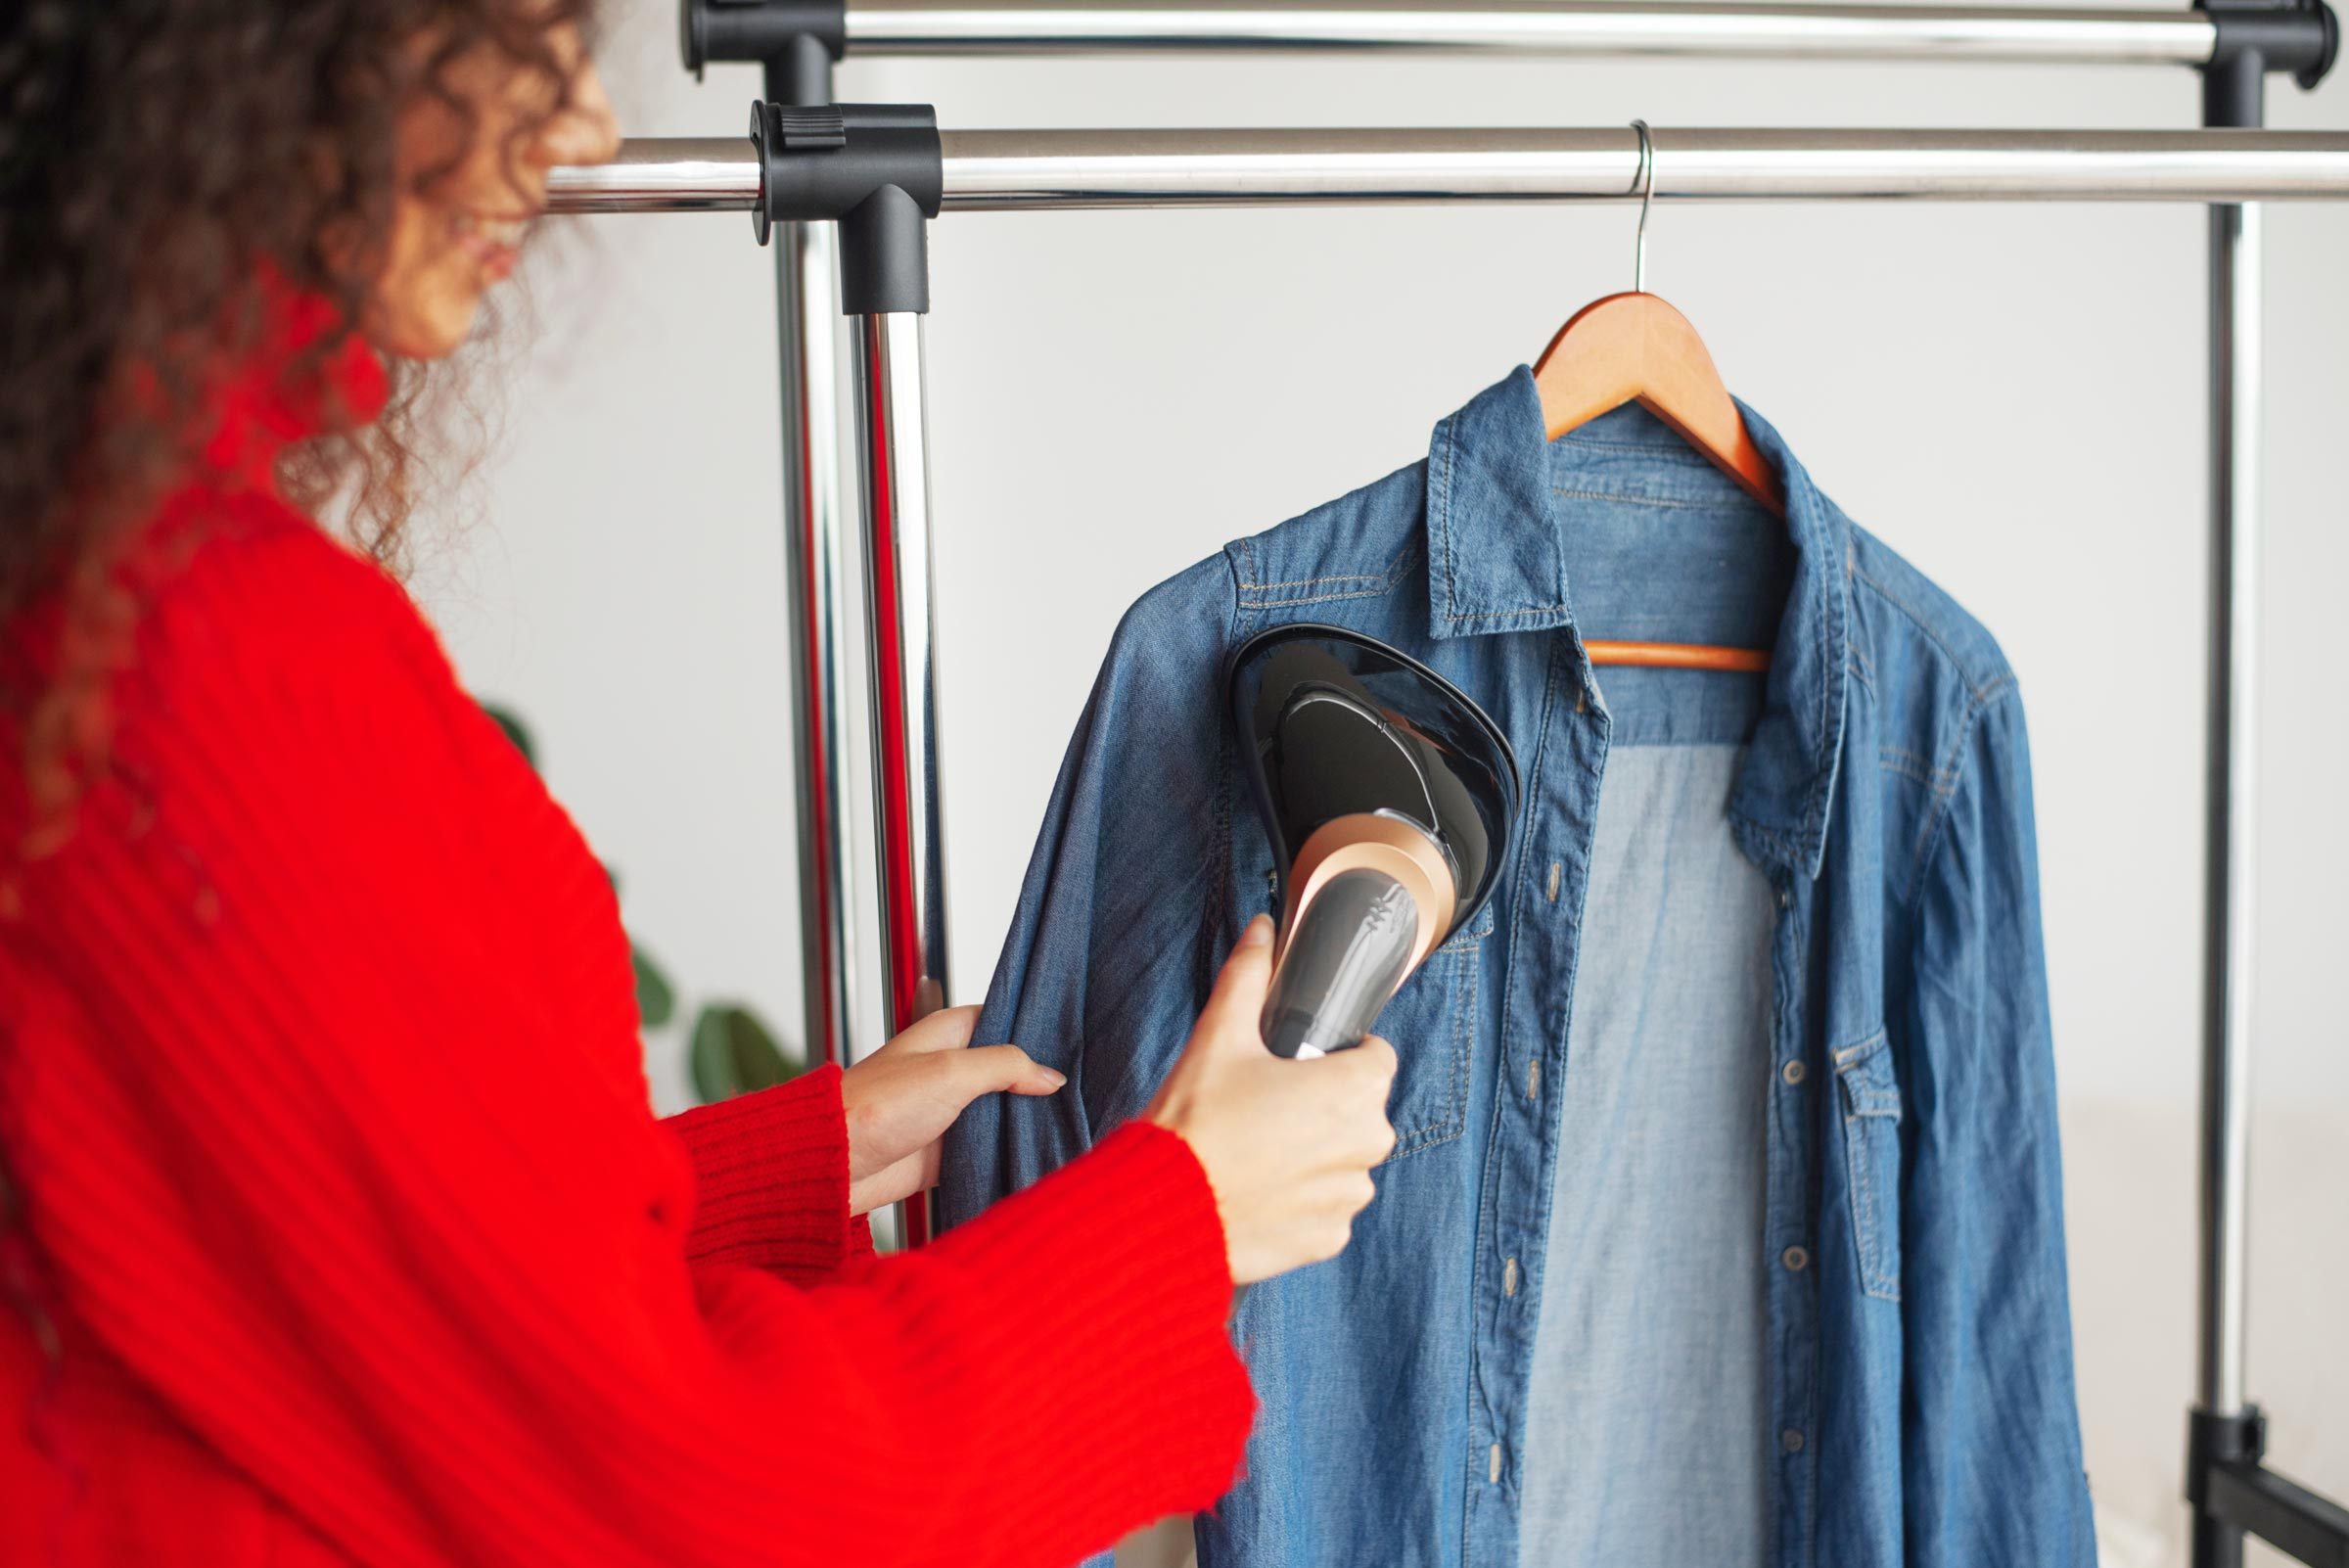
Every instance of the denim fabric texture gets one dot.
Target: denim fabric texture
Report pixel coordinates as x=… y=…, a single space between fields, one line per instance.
x=1914 y=1373
x=1647 y=1440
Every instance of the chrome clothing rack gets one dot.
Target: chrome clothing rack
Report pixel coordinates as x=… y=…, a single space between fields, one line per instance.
x=850 y=188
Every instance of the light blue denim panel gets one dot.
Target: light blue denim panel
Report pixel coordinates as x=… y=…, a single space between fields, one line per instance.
x=1646 y=1441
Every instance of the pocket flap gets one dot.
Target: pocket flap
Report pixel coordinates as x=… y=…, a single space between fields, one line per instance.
x=1474 y=932
x=1864 y=1071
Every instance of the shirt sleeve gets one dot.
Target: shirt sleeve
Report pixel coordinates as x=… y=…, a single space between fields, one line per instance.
x=1124 y=914
x=324 y=1171
x=1981 y=1274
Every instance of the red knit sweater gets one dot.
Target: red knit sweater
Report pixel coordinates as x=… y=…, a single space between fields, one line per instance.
x=342 y=1232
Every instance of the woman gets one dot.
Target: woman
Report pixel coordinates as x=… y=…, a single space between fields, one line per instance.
x=336 y=1229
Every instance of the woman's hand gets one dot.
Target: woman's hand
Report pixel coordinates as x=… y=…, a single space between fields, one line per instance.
x=1287 y=1146
x=900 y=1100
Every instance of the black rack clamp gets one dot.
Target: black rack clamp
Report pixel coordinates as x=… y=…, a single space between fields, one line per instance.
x=2212 y=1441
x=798 y=41
x=2226 y=1481
x=2256 y=37
x=879 y=170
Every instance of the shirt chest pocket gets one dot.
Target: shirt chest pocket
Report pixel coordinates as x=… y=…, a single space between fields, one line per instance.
x=1432 y=1024
x=1870 y=1099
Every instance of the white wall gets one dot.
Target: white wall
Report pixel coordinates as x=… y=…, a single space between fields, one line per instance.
x=2011 y=395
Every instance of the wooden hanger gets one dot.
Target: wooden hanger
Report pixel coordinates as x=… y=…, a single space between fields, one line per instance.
x=1630 y=348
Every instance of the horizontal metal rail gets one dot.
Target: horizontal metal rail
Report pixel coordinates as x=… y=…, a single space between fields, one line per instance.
x=1007 y=170
x=1673 y=27
x=662 y=174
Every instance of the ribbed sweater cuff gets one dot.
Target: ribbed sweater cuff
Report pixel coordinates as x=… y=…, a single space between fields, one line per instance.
x=1130 y=1366
x=771 y=1178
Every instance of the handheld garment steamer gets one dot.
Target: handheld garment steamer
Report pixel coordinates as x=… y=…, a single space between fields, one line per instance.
x=1388 y=796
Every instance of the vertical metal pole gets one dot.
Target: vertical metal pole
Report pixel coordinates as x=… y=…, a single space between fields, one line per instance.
x=2235 y=257
x=893 y=440
x=815 y=582
x=2232 y=95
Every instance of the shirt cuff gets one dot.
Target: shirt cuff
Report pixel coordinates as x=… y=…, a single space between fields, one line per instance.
x=771 y=1178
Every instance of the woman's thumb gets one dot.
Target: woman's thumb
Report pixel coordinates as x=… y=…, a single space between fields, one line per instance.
x=1237 y=1005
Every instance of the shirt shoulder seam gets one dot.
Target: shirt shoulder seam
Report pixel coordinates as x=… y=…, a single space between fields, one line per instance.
x=1980 y=687
x=1954 y=771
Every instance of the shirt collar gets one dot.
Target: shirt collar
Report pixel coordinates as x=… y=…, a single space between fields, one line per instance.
x=1496 y=562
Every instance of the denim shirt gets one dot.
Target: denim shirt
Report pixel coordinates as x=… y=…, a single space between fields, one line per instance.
x=1915 y=1347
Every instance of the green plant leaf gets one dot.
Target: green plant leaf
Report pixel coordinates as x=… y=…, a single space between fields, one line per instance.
x=734 y=1054
x=655 y=1001
x=515 y=731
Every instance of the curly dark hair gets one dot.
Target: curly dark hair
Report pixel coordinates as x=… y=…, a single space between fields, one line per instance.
x=155 y=156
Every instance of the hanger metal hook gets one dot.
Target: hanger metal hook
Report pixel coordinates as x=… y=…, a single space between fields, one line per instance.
x=1645 y=182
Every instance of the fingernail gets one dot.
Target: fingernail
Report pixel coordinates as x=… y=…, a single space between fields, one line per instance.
x=1259 y=932
x=1057 y=1076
